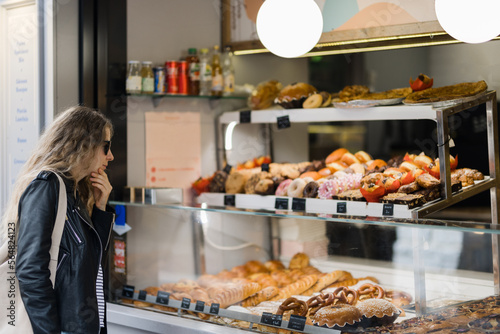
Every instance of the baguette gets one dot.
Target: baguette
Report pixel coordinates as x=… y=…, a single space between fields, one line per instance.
x=324 y=281
x=296 y=288
x=261 y=296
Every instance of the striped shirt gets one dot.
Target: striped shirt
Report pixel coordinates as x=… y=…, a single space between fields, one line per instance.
x=100 y=295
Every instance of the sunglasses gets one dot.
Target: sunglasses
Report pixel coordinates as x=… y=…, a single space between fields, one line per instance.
x=107 y=146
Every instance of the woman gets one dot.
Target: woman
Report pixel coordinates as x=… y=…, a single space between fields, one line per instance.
x=77 y=146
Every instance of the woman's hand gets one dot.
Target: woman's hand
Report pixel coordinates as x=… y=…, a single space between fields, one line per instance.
x=102 y=188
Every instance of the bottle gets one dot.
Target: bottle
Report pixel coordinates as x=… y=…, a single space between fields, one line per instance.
x=194 y=72
x=217 y=80
x=205 y=73
x=228 y=71
x=148 y=78
x=134 y=79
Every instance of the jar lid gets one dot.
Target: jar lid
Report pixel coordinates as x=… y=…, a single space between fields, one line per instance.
x=147 y=62
x=133 y=62
x=192 y=51
x=204 y=50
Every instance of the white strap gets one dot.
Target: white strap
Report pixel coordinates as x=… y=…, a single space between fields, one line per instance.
x=58 y=230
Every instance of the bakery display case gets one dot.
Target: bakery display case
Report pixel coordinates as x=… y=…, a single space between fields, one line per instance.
x=239 y=262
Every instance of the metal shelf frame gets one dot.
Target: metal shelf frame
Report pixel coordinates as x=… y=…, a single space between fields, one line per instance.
x=405 y=112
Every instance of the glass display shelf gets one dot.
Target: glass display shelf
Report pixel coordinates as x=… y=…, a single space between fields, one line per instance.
x=449 y=225
x=155 y=95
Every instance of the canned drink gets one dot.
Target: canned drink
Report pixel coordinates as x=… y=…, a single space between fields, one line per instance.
x=183 y=72
x=159 y=73
x=172 y=77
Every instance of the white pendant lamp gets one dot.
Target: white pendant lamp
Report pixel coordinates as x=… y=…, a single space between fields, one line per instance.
x=289 y=28
x=469 y=21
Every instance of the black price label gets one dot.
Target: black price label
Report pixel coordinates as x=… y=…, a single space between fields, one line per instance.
x=276 y=320
x=388 y=209
x=186 y=302
x=229 y=200
x=265 y=167
x=283 y=122
x=299 y=204
x=227 y=169
x=128 y=291
x=142 y=295
x=297 y=322
x=200 y=306
x=281 y=203
x=341 y=207
x=245 y=116
x=214 y=309
x=266 y=318
x=162 y=297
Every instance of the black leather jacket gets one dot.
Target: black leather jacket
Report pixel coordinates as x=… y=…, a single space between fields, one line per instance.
x=71 y=306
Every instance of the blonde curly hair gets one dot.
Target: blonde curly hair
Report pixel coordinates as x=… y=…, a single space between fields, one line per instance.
x=67 y=145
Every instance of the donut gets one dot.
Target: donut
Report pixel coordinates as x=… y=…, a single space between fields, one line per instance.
x=337 y=166
x=311 y=190
x=296 y=188
x=335 y=155
x=328 y=189
x=326 y=171
x=349 y=159
x=327 y=99
x=313 y=101
x=281 y=190
x=312 y=174
x=362 y=156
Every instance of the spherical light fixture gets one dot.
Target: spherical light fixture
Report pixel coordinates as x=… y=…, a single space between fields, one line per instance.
x=469 y=21
x=289 y=28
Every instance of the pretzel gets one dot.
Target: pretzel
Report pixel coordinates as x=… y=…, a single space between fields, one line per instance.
x=342 y=295
x=371 y=290
x=299 y=307
x=319 y=301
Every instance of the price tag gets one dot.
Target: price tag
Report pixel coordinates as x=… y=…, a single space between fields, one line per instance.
x=388 y=209
x=245 y=116
x=265 y=167
x=297 y=322
x=276 y=320
x=142 y=295
x=186 y=302
x=200 y=306
x=227 y=169
x=229 y=200
x=299 y=204
x=341 y=207
x=281 y=203
x=214 y=309
x=128 y=291
x=266 y=318
x=283 y=122
x=162 y=297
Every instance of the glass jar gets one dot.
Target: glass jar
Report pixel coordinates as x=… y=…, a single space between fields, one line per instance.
x=148 y=79
x=134 y=79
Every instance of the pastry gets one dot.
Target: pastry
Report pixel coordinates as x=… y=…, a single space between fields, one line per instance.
x=265 y=187
x=337 y=316
x=323 y=282
x=379 y=312
x=255 y=266
x=263 y=96
x=235 y=183
x=451 y=92
x=352 y=92
x=297 y=287
x=281 y=190
x=427 y=181
x=299 y=261
x=313 y=101
x=349 y=158
x=335 y=155
x=327 y=99
x=293 y=95
x=311 y=190
x=296 y=188
x=218 y=182
x=274 y=265
x=362 y=156
x=261 y=296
